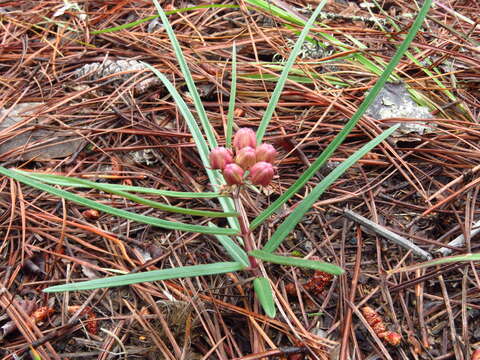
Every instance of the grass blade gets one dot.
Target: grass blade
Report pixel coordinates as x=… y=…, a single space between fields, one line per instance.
x=293 y=261
x=264 y=293
x=149 y=276
x=325 y=155
x=231 y=101
x=294 y=218
x=284 y=75
x=117 y=212
x=73 y=182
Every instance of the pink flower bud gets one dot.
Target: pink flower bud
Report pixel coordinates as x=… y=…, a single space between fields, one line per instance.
x=233 y=174
x=246 y=157
x=261 y=173
x=266 y=152
x=244 y=137
x=219 y=157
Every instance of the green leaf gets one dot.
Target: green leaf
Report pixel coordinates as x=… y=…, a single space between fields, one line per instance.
x=154 y=204
x=233 y=249
x=149 y=276
x=360 y=59
x=113 y=211
x=275 y=10
x=203 y=148
x=297 y=214
x=267 y=116
x=264 y=293
x=231 y=102
x=149 y=18
x=73 y=182
x=294 y=261
x=440 y=261
x=207 y=127
x=325 y=155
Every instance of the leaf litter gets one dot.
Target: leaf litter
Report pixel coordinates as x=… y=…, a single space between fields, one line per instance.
x=93 y=95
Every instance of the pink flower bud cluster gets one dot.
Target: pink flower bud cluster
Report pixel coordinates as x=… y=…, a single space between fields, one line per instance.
x=257 y=160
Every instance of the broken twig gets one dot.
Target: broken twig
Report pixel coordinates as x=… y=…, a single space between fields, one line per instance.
x=390 y=235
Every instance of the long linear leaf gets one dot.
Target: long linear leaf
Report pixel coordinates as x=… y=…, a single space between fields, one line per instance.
x=215 y=180
x=73 y=182
x=117 y=212
x=231 y=102
x=440 y=261
x=233 y=249
x=284 y=75
x=192 y=89
x=155 y=204
x=325 y=155
x=149 y=18
x=294 y=218
x=275 y=10
x=264 y=293
x=370 y=65
x=148 y=276
x=293 y=261
x=202 y=147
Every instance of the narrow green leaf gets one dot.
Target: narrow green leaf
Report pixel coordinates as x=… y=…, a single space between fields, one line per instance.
x=264 y=293
x=275 y=10
x=193 y=127
x=296 y=215
x=72 y=182
x=440 y=261
x=231 y=102
x=294 y=261
x=325 y=155
x=233 y=249
x=267 y=116
x=207 y=127
x=149 y=18
x=149 y=276
x=154 y=204
x=215 y=179
x=202 y=147
x=117 y=212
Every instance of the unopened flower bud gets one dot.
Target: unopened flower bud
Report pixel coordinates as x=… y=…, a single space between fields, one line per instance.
x=265 y=152
x=233 y=174
x=219 y=157
x=261 y=173
x=244 y=137
x=246 y=157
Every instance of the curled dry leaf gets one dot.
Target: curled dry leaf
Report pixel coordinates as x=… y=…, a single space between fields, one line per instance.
x=376 y=322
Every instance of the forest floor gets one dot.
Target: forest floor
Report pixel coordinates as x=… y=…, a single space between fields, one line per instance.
x=75 y=100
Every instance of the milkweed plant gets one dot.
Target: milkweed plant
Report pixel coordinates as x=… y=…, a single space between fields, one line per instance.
x=245 y=161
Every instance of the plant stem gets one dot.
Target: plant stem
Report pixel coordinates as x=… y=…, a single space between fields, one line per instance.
x=245 y=232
